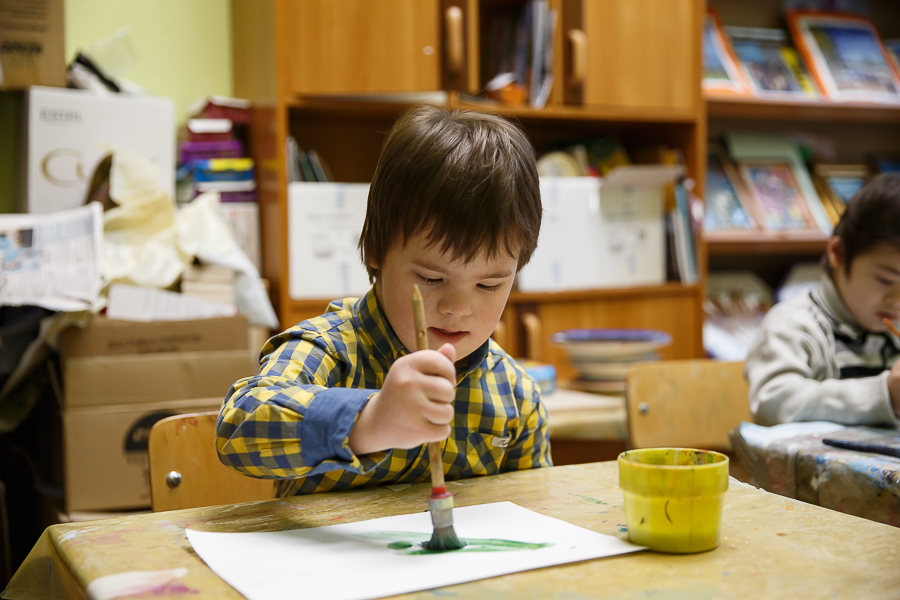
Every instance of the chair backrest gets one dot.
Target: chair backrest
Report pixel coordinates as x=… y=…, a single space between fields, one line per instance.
x=185 y=444
x=685 y=403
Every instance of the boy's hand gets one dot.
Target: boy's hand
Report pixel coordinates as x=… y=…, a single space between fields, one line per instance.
x=894 y=387
x=414 y=406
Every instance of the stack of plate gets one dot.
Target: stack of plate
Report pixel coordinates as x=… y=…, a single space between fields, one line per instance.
x=603 y=356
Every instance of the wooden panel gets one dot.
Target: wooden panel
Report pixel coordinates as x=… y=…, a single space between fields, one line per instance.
x=640 y=53
x=675 y=315
x=738 y=243
x=186 y=444
x=253 y=49
x=783 y=110
x=691 y=404
x=363 y=46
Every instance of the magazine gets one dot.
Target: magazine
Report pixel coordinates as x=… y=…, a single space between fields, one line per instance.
x=846 y=56
x=51 y=260
x=724 y=209
x=771 y=67
x=778 y=199
x=720 y=66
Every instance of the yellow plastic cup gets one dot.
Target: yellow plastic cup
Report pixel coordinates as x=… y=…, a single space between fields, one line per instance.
x=673 y=497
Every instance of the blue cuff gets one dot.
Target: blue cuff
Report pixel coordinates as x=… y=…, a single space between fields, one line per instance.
x=327 y=423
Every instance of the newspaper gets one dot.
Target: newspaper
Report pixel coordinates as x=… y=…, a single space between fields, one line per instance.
x=51 y=260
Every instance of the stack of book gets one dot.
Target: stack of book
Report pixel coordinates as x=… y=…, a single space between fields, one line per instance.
x=209 y=282
x=211 y=158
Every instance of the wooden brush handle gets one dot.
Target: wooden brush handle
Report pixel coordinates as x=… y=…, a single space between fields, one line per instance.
x=434 y=448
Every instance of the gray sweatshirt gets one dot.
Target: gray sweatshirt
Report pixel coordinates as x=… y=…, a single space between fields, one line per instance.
x=810 y=361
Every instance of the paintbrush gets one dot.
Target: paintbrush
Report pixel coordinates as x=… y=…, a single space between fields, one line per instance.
x=891 y=326
x=440 y=502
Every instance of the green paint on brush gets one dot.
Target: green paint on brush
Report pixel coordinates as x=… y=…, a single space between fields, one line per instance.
x=411 y=543
x=589 y=499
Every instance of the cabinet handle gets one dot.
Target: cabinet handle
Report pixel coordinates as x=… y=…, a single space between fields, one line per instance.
x=454 y=17
x=578 y=42
x=533 y=336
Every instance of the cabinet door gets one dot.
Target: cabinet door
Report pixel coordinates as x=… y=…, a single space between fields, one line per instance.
x=361 y=46
x=642 y=53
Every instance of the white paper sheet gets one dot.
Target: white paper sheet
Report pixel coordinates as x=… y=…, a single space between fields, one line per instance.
x=133 y=303
x=346 y=562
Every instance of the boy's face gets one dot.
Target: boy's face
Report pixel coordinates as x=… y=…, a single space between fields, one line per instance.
x=463 y=302
x=872 y=288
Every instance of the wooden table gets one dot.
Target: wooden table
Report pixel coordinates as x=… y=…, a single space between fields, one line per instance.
x=770 y=547
x=792 y=461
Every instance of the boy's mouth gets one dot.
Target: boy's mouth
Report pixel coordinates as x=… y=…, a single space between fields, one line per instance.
x=447 y=336
x=886 y=315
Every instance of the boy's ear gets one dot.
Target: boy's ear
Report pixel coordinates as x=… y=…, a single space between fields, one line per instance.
x=834 y=250
x=372 y=263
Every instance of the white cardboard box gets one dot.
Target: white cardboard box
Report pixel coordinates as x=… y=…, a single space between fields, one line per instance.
x=244 y=220
x=601 y=233
x=325 y=221
x=69 y=131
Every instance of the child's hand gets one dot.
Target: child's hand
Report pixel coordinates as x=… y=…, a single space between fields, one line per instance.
x=414 y=406
x=894 y=387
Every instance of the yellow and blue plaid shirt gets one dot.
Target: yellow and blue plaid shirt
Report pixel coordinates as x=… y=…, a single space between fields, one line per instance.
x=292 y=422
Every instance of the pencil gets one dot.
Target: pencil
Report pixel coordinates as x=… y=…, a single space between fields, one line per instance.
x=440 y=502
x=891 y=326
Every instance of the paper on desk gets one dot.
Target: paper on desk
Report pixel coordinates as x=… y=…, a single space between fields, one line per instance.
x=274 y=565
x=758 y=436
x=133 y=303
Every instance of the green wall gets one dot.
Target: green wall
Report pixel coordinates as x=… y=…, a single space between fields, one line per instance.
x=10 y=115
x=183 y=46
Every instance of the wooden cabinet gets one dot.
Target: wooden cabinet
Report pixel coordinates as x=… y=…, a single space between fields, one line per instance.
x=640 y=84
x=641 y=54
x=361 y=46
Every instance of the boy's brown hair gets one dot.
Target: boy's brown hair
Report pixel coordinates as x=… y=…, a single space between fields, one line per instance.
x=872 y=218
x=468 y=179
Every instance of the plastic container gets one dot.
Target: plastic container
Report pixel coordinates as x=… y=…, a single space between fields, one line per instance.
x=673 y=497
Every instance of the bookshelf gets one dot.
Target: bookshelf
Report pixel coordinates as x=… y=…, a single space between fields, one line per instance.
x=336 y=87
x=857 y=130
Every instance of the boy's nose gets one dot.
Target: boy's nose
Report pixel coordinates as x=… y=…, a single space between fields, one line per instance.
x=455 y=305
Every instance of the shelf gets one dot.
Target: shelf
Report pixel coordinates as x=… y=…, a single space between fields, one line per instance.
x=670 y=289
x=731 y=243
x=741 y=107
x=391 y=105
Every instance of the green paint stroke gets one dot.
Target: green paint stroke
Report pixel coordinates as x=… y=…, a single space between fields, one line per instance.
x=589 y=499
x=411 y=543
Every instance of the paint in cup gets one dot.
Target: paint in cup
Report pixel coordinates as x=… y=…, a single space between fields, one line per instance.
x=673 y=497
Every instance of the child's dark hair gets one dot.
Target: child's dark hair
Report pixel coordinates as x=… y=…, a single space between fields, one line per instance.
x=467 y=179
x=872 y=218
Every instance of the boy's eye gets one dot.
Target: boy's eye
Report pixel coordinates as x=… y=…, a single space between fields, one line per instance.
x=489 y=288
x=884 y=281
x=427 y=280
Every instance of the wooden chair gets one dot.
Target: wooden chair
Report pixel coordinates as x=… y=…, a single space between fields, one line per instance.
x=685 y=403
x=185 y=471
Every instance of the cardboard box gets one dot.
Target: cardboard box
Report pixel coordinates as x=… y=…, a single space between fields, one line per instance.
x=111 y=337
x=32 y=44
x=69 y=131
x=106 y=452
x=119 y=378
x=324 y=224
x=601 y=234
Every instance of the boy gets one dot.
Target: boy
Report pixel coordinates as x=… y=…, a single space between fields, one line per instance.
x=827 y=355
x=340 y=401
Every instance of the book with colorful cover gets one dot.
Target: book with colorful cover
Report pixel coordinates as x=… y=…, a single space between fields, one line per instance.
x=779 y=201
x=846 y=56
x=770 y=65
